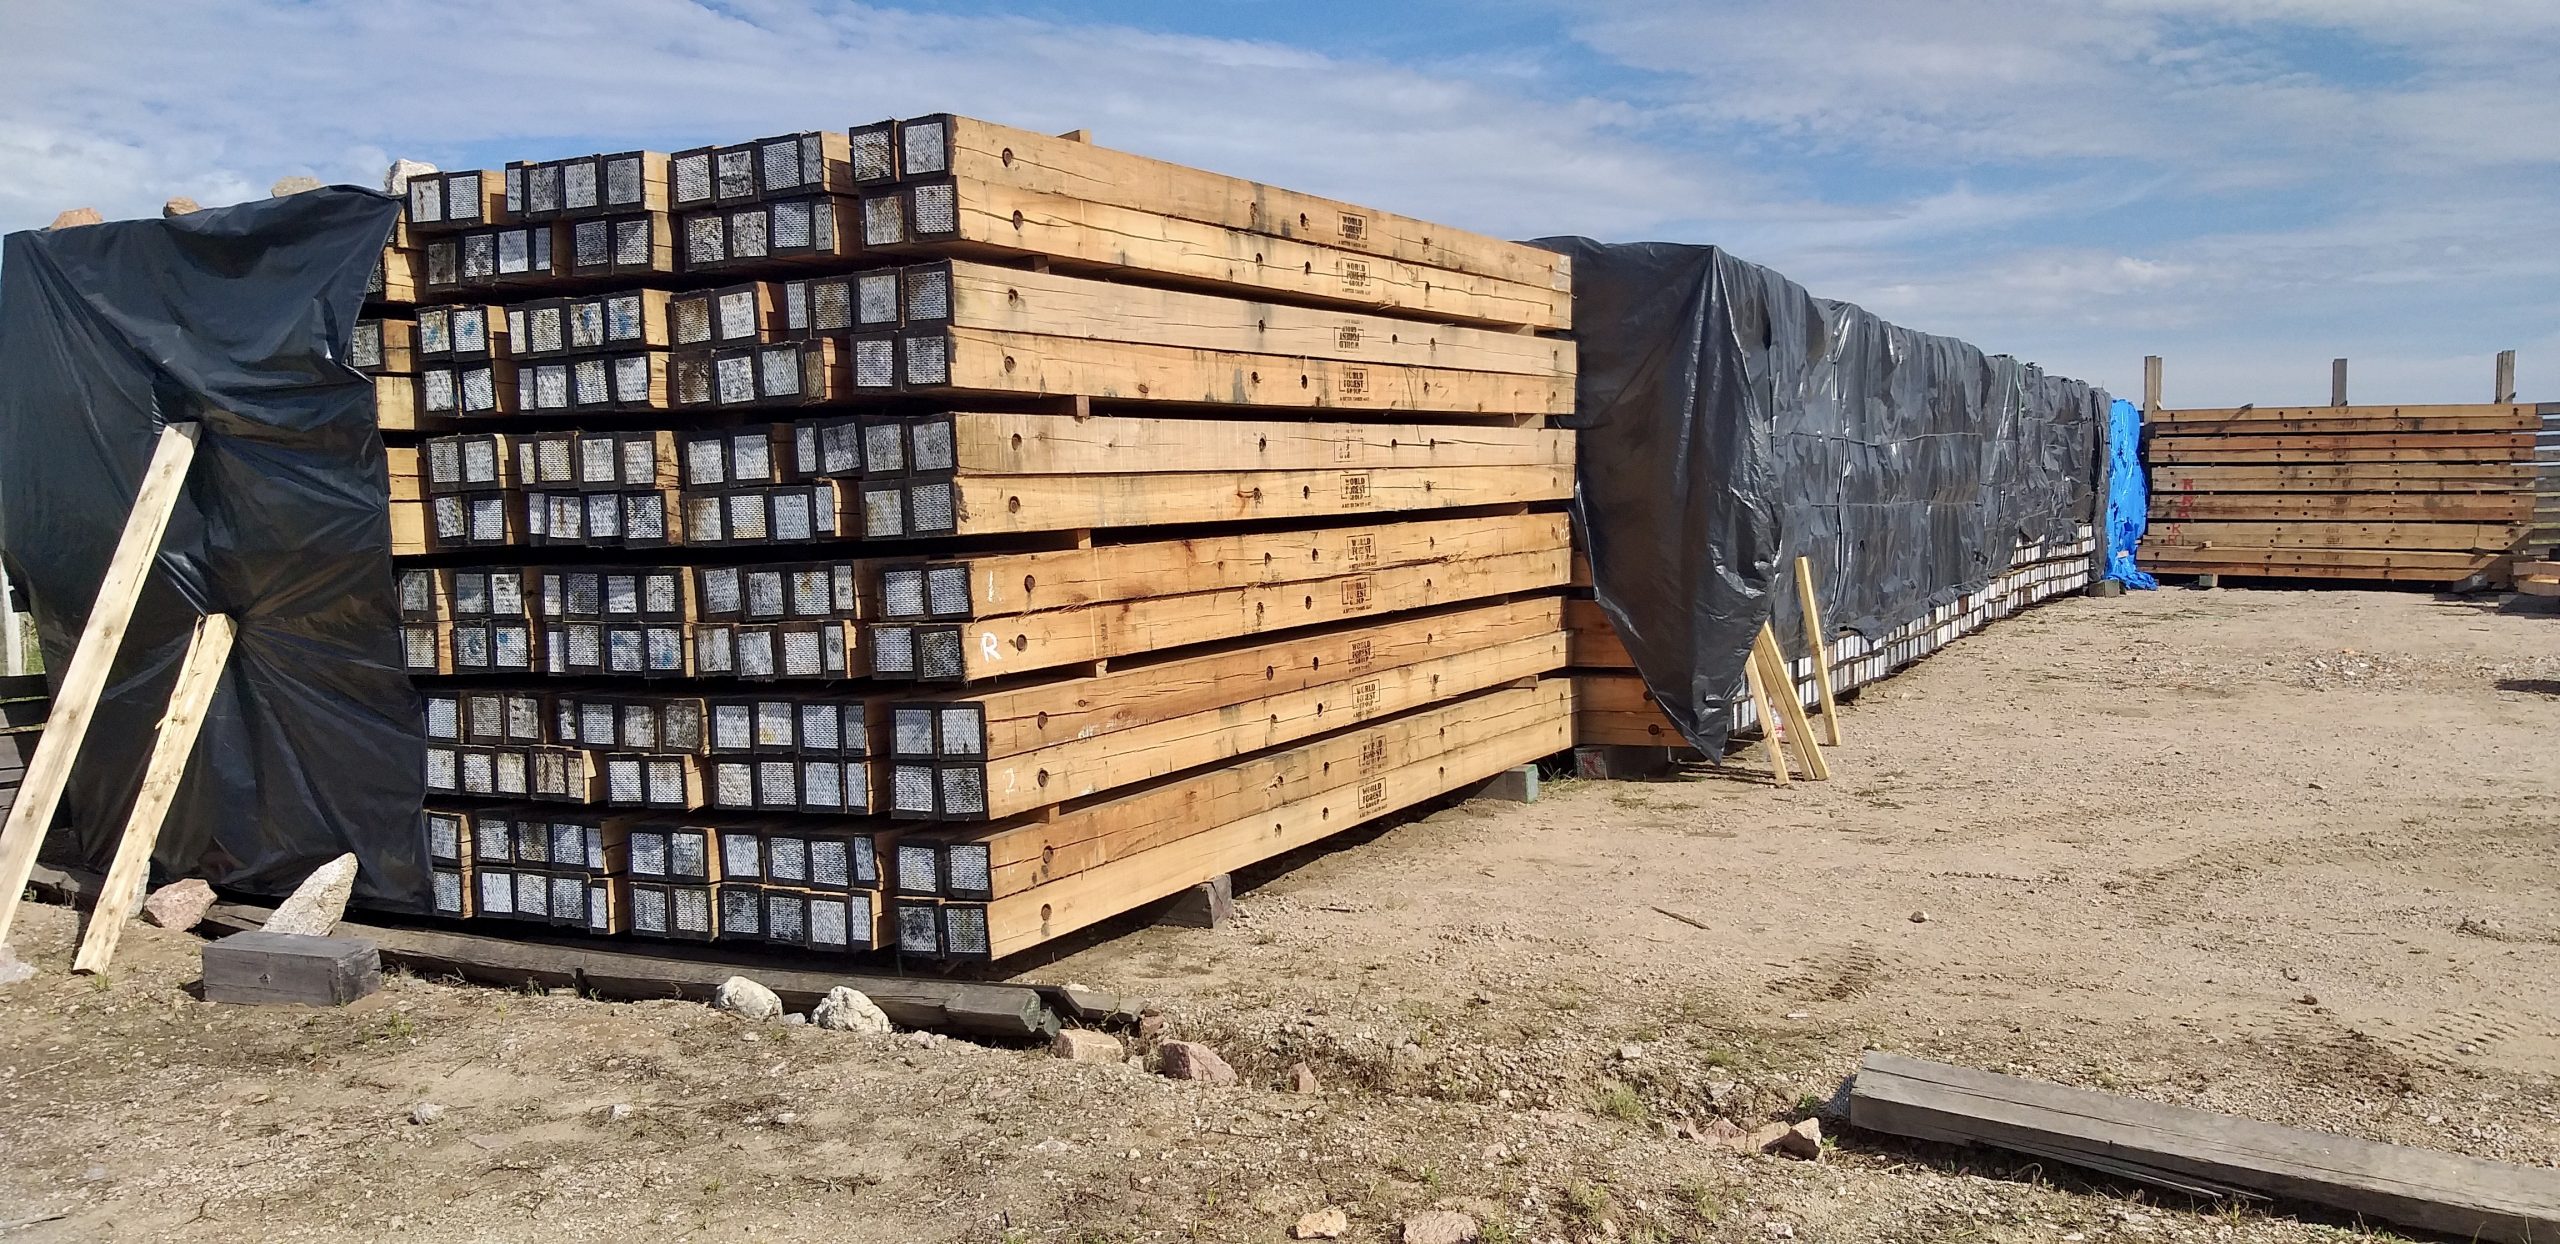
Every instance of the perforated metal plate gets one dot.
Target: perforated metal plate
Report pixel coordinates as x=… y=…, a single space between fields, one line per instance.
x=778 y=372
x=444 y=769
x=591 y=246
x=965 y=869
x=689 y=178
x=830 y=306
x=755 y=652
x=692 y=915
x=706 y=238
x=893 y=652
x=924 y=147
x=911 y=790
x=688 y=853
x=680 y=723
x=884 y=220
x=875 y=363
x=586 y=324
x=733 y=784
x=741 y=854
x=648 y=857
x=667 y=785
x=448 y=892
x=720 y=591
x=634 y=242
x=919 y=932
x=733 y=174
x=624 y=783
x=649 y=910
x=939 y=656
x=786 y=917
x=735 y=378
x=875 y=153
x=931 y=508
x=794 y=227
x=947 y=591
x=928 y=359
x=750 y=234
x=930 y=447
x=604 y=516
x=933 y=211
x=964 y=791
x=961 y=730
x=827 y=924
x=625 y=180
x=791 y=521
x=442 y=712
x=919 y=868
x=741 y=911
x=829 y=863
x=644 y=517
x=497 y=893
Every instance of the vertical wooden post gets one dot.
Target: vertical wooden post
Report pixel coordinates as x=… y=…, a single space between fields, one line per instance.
x=1817 y=640
x=76 y=700
x=16 y=662
x=2337 y=382
x=2150 y=383
x=2506 y=383
x=198 y=675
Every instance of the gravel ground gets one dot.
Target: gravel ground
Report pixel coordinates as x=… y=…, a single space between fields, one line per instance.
x=2290 y=855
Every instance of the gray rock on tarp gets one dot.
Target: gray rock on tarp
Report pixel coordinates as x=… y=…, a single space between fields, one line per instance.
x=179 y=905
x=77 y=217
x=747 y=1000
x=179 y=206
x=317 y=905
x=1190 y=1060
x=296 y=184
x=846 y=1009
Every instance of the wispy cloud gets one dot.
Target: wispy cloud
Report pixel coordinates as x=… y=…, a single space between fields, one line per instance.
x=2246 y=186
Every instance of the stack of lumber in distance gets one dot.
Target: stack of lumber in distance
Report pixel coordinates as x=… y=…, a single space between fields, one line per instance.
x=1613 y=709
x=2544 y=537
x=2430 y=494
x=934 y=537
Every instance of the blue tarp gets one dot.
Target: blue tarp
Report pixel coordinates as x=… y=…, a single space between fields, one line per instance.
x=2128 y=498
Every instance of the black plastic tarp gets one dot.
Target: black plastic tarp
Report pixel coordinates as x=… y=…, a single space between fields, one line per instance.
x=1730 y=421
x=236 y=319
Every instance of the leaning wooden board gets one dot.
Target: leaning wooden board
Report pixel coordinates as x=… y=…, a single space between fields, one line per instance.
x=2198 y=1150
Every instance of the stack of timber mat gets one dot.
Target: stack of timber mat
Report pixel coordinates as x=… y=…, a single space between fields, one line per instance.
x=2426 y=494
x=1612 y=708
x=2544 y=538
x=938 y=537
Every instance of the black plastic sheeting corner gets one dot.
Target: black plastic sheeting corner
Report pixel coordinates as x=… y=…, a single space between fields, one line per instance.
x=237 y=319
x=1729 y=421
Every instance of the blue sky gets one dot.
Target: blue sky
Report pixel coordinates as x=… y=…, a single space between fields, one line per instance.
x=2247 y=187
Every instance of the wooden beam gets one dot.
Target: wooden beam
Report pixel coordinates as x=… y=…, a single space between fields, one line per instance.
x=1775 y=678
x=198 y=675
x=1595 y=644
x=1042 y=444
x=989 y=361
x=1756 y=686
x=1817 y=642
x=2455 y=537
x=2197 y=1151
x=1016 y=504
x=2202 y=419
x=76 y=701
x=2505 y=506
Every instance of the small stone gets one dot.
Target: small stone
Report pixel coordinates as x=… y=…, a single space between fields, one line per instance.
x=1725 y=1132
x=1052 y=1145
x=1804 y=1140
x=1503 y=1096
x=2466 y=1048
x=618 y=1112
x=747 y=1000
x=1441 y=1226
x=395 y=180
x=1190 y=1060
x=1150 y=1027
x=1325 y=1224
x=794 y=1020
x=179 y=206
x=1762 y=1139
x=848 y=1010
x=921 y=1040
x=1799 y=1014
x=1718 y=1090
x=1919 y=917
x=2291 y=975
x=425 y=1112
x=1781 y=1231
x=12 y=968
x=2309 y=999
x=1630 y=1051
x=77 y=217
x=785 y=1118
x=296 y=184
x=1302 y=1078
x=316 y=905
x=1084 y=1045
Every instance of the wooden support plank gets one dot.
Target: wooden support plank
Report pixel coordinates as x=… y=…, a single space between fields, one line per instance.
x=1050 y=304
x=2190 y=442
x=2462 y=537
x=963 y=361
x=1020 y=719
x=2355 y=477
x=1595 y=644
x=1817 y=642
x=1022 y=643
x=1009 y=224
x=2273 y=506
x=1002 y=584
x=2404 y=559
x=1082 y=767
x=1775 y=679
x=1001 y=155
x=2190 y=419
x=1048 y=911
x=2472 y=449
x=198 y=674
x=1608 y=728
x=1759 y=693
x=2352 y=421
x=2197 y=1150
x=1041 y=444
x=1016 y=504
x=76 y=701
x=1034 y=851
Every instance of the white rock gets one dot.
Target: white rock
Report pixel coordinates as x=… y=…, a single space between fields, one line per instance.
x=12 y=968
x=617 y=1113
x=1441 y=1226
x=747 y=1000
x=793 y=1019
x=317 y=904
x=1328 y=1223
x=848 y=1010
x=425 y=1112
x=396 y=179
x=296 y=184
x=1630 y=1051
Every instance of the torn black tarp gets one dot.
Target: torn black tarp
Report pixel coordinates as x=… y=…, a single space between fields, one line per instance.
x=237 y=319
x=1731 y=421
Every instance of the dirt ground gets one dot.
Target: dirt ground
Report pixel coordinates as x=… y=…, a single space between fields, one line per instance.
x=2291 y=855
